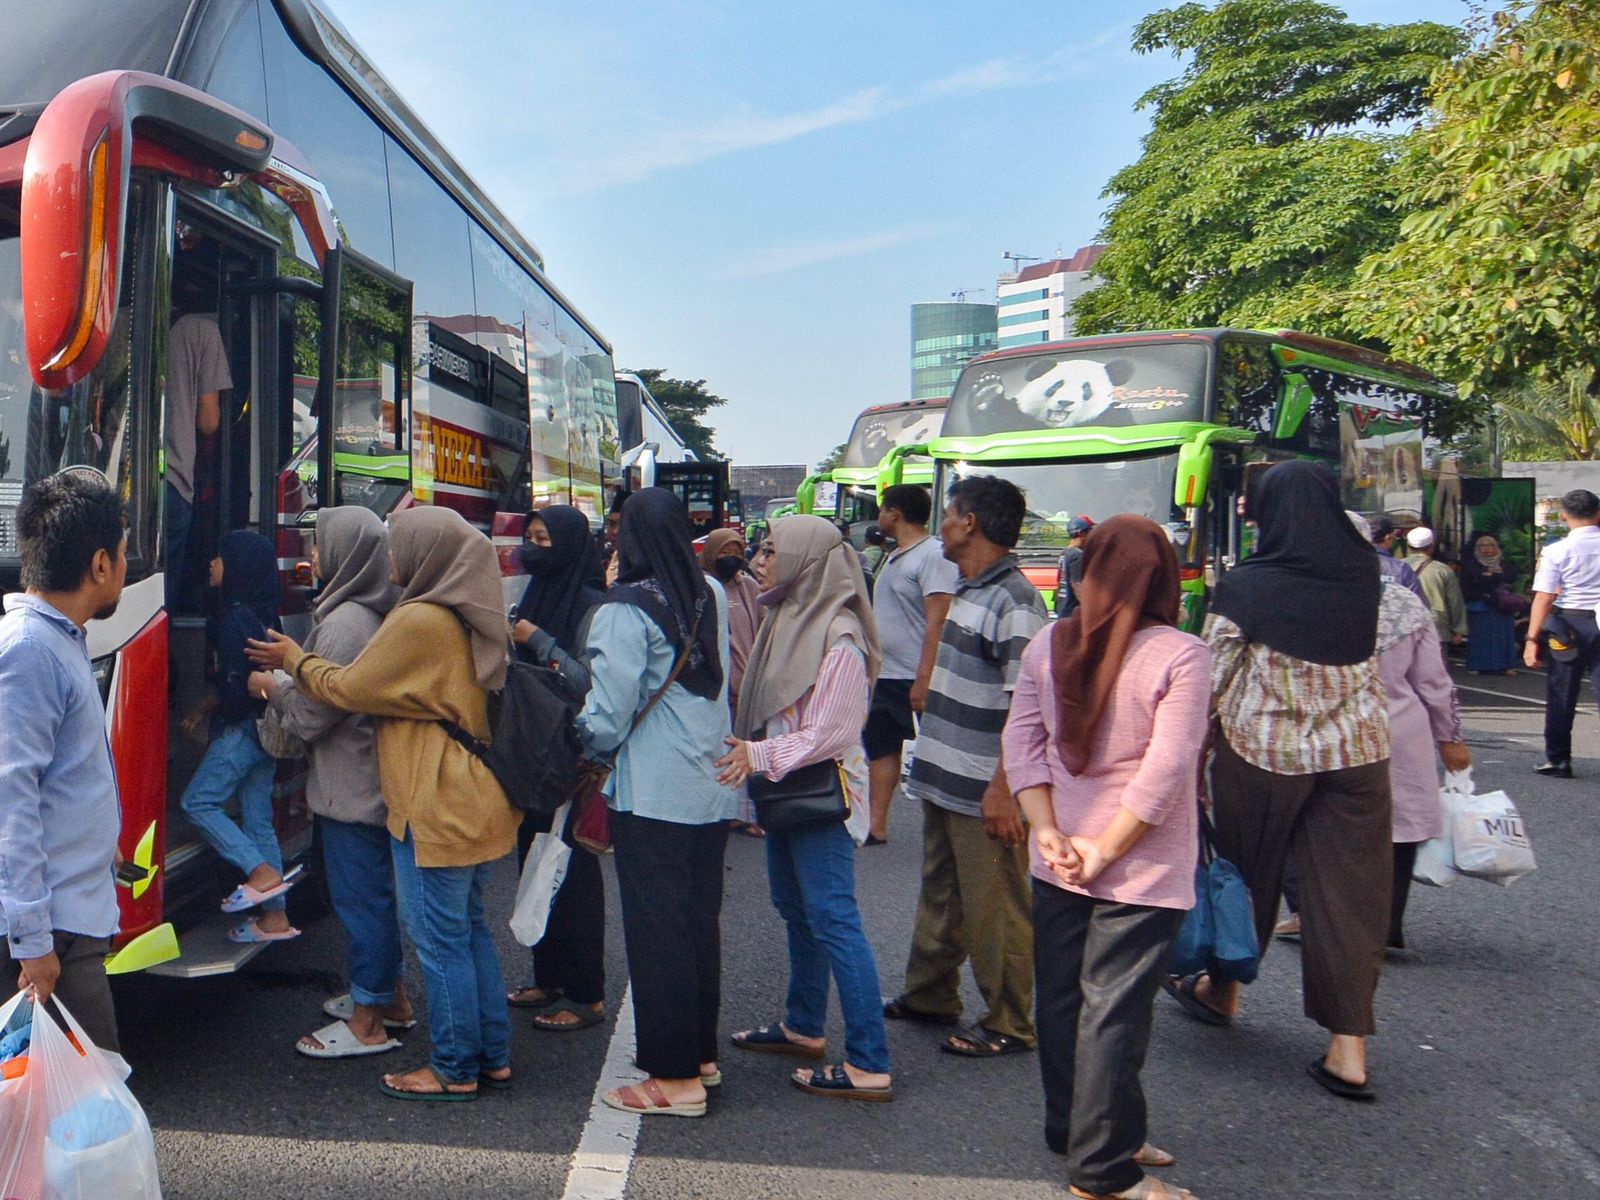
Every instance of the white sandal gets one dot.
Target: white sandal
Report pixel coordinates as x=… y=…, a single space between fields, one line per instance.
x=340 y=1041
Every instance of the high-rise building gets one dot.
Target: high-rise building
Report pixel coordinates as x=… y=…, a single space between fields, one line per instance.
x=943 y=337
x=1034 y=304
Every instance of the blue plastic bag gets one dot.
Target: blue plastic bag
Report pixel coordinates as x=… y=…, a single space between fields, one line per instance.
x=1219 y=934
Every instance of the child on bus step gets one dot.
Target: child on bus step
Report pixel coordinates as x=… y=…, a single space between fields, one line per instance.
x=246 y=572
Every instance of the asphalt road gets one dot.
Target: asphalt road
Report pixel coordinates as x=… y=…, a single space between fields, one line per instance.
x=1487 y=1059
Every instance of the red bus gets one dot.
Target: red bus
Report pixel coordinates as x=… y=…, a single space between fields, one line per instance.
x=391 y=337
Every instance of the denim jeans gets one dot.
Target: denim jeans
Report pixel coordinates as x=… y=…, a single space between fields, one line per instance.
x=813 y=878
x=235 y=763
x=360 y=871
x=442 y=908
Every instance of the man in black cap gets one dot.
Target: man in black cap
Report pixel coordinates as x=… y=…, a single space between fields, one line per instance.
x=1070 y=569
x=1570 y=571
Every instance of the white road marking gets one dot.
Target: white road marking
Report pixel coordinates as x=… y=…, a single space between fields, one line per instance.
x=1462 y=687
x=1549 y=1136
x=604 y=1156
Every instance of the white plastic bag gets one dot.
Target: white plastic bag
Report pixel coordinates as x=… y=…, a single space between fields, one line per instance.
x=542 y=873
x=69 y=1127
x=1436 y=860
x=1488 y=838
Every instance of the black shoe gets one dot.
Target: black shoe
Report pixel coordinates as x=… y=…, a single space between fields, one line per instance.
x=1556 y=768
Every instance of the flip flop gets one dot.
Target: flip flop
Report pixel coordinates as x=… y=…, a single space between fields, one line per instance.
x=443 y=1096
x=896 y=1009
x=342 y=1008
x=1182 y=990
x=983 y=1043
x=244 y=897
x=648 y=1100
x=835 y=1081
x=551 y=995
x=495 y=1085
x=1342 y=1088
x=249 y=932
x=771 y=1039
x=1153 y=1157
x=339 y=1041
x=587 y=1017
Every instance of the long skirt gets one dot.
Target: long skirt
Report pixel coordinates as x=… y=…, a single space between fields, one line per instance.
x=1491 y=638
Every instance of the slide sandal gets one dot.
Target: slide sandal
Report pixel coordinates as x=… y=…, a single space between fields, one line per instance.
x=339 y=1041
x=244 y=897
x=248 y=932
x=835 y=1081
x=342 y=1008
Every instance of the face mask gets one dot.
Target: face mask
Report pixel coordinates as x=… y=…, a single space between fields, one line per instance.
x=727 y=567
x=535 y=559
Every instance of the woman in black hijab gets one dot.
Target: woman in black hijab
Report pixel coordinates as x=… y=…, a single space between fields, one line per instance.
x=568 y=986
x=1302 y=761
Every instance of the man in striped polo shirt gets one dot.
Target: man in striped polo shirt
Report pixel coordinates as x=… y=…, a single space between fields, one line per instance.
x=974 y=901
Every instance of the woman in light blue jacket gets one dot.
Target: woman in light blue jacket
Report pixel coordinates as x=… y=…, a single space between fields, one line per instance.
x=658 y=664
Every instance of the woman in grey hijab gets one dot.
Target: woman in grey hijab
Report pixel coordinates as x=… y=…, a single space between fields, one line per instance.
x=351 y=558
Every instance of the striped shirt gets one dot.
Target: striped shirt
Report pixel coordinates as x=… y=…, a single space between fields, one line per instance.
x=992 y=618
x=1293 y=717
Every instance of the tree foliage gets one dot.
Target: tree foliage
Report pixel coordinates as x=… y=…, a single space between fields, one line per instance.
x=1267 y=174
x=1552 y=421
x=1495 y=277
x=685 y=401
x=832 y=459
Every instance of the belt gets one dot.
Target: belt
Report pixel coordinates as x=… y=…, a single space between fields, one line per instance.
x=1590 y=612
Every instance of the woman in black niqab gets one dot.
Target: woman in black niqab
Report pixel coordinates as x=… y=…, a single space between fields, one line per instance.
x=1311 y=588
x=564 y=578
x=658 y=573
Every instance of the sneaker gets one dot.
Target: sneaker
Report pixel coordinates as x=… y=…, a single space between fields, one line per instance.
x=1555 y=768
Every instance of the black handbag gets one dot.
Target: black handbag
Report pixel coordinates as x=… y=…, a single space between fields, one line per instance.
x=804 y=798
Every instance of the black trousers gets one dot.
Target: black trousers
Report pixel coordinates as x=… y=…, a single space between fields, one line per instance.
x=571 y=957
x=1338 y=826
x=1405 y=858
x=670 y=879
x=1097 y=965
x=1563 y=685
x=83 y=986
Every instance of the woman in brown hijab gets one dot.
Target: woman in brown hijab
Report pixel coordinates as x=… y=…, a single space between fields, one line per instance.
x=435 y=658
x=722 y=557
x=1102 y=749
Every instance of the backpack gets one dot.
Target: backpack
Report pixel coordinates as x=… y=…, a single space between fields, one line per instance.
x=535 y=755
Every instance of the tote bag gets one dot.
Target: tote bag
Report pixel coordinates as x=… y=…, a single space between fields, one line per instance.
x=1219 y=934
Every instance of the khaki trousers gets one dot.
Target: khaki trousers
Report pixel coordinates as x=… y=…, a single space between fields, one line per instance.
x=974 y=904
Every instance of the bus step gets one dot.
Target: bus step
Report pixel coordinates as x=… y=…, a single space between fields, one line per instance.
x=205 y=950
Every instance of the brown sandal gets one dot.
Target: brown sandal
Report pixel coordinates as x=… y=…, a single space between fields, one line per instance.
x=648 y=1100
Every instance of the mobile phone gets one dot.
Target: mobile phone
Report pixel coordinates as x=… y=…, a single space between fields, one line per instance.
x=130 y=873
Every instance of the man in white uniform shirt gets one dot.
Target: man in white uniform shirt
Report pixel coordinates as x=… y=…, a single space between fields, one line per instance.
x=1568 y=584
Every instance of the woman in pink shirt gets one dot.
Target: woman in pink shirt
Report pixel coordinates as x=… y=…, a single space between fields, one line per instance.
x=804 y=701
x=1103 y=750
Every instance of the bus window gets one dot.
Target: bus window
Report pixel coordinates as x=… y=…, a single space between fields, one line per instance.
x=371 y=459
x=1248 y=385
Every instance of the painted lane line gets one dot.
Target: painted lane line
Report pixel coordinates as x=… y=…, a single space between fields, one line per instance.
x=604 y=1157
x=1549 y=1136
x=1462 y=687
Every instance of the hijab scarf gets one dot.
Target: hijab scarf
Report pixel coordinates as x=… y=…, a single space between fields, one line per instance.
x=250 y=576
x=1480 y=579
x=1311 y=588
x=1129 y=583
x=564 y=578
x=353 y=554
x=821 y=596
x=657 y=574
x=744 y=599
x=440 y=559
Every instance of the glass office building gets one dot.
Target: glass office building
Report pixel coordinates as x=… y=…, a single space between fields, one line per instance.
x=943 y=337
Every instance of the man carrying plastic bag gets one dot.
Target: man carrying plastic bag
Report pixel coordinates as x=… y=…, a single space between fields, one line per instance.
x=69 y=1127
x=59 y=815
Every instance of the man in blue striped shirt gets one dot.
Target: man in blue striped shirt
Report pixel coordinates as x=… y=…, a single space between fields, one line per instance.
x=975 y=898
x=59 y=814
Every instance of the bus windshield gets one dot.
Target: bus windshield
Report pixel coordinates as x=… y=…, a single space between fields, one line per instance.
x=51 y=44
x=1093 y=488
x=1068 y=387
x=877 y=433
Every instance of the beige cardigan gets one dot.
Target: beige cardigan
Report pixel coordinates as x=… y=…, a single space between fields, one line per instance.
x=416 y=670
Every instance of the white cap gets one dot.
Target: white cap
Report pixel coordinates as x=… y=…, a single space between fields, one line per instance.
x=1420 y=538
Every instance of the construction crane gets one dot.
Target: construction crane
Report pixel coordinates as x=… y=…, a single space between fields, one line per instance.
x=1016 y=260
x=960 y=295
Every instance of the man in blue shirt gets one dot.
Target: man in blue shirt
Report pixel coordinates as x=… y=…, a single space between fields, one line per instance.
x=1567 y=585
x=59 y=814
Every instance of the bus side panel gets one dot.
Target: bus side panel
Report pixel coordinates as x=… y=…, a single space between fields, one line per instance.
x=138 y=734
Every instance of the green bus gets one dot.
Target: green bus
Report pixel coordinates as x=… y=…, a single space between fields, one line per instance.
x=1169 y=425
x=852 y=488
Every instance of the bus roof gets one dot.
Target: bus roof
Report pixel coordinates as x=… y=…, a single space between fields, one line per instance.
x=1310 y=343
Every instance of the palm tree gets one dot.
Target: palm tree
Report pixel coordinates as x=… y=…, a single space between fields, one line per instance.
x=1557 y=421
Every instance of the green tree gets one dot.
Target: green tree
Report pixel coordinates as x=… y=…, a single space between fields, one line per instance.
x=685 y=402
x=1552 y=420
x=1495 y=278
x=832 y=459
x=1267 y=173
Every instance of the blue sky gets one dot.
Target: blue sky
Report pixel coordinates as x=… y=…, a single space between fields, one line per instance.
x=755 y=194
